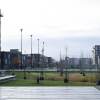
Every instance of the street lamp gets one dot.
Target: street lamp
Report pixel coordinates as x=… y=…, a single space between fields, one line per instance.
x=21 y=47
x=41 y=74
x=0 y=36
x=0 y=29
x=31 y=51
x=61 y=65
x=21 y=55
x=66 y=72
x=38 y=51
x=38 y=78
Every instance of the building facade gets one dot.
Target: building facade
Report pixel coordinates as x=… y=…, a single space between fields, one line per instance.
x=96 y=54
x=15 y=59
x=79 y=62
x=5 y=61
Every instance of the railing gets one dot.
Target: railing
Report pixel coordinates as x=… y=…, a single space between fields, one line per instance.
x=53 y=70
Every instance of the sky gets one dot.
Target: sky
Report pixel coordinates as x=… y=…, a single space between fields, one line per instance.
x=61 y=24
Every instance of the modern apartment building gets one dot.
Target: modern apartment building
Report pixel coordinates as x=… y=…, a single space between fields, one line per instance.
x=96 y=54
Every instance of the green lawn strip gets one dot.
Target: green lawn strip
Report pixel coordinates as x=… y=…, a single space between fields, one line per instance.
x=52 y=79
x=45 y=83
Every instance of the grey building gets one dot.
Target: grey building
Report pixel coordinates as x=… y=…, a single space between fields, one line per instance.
x=96 y=54
x=51 y=62
x=74 y=61
x=5 y=61
x=15 y=59
x=77 y=62
x=40 y=61
x=28 y=60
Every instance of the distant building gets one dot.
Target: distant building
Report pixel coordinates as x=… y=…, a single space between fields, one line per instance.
x=12 y=60
x=67 y=60
x=77 y=62
x=37 y=60
x=40 y=61
x=28 y=60
x=86 y=61
x=5 y=61
x=51 y=62
x=25 y=60
x=44 y=61
x=96 y=54
x=74 y=61
x=15 y=58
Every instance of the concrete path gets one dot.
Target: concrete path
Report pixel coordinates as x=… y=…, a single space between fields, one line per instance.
x=49 y=93
x=7 y=78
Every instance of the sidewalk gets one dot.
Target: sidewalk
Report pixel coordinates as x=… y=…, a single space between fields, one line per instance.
x=7 y=78
x=49 y=93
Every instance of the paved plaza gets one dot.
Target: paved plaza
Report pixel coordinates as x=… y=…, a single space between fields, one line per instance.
x=49 y=93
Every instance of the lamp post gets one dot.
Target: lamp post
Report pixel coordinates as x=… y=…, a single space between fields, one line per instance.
x=61 y=65
x=66 y=65
x=0 y=29
x=41 y=74
x=31 y=51
x=38 y=78
x=21 y=47
x=21 y=55
x=38 y=52
x=0 y=37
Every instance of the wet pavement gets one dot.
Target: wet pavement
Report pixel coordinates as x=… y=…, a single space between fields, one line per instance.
x=49 y=93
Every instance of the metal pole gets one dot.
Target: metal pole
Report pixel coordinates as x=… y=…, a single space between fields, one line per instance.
x=31 y=51
x=38 y=45
x=43 y=54
x=21 y=47
x=66 y=73
x=61 y=66
x=42 y=76
x=0 y=37
x=38 y=78
x=38 y=52
x=0 y=28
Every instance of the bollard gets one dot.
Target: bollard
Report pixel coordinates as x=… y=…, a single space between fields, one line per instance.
x=38 y=80
x=65 y=80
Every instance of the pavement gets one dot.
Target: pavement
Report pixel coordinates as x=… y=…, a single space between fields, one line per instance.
x=7 y=77
x=49 y=93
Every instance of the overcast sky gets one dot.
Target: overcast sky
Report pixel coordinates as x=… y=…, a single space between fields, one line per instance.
x=74 y=24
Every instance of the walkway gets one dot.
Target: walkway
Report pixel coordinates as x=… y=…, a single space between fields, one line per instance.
x=7 y=78
x=49 y=93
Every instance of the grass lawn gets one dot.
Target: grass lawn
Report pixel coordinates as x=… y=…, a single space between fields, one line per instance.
x=45 y=83
x=52 y=79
